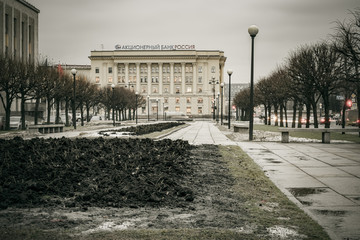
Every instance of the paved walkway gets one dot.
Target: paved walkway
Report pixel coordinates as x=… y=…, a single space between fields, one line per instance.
x=323 y=179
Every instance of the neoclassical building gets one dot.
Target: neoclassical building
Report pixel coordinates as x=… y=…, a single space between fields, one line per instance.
x=178 y=80
x=19 y=29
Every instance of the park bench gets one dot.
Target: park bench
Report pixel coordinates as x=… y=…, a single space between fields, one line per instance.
x=240 y=127
x=325 y=132
x=47 y=128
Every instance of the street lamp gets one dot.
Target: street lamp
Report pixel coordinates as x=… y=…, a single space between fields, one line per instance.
x=73 y=72
x=157 y=109
x=213 y=82
x=229 y=72
x=113 y=107
x=136 y=100
x=148 y=101
x=222 y=102
x=253 y=30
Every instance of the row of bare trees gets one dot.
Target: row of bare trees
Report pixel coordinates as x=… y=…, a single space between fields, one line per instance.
x=311 y=73
x=42 y=82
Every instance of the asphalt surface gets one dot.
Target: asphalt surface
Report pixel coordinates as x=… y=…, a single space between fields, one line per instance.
x=322 y=179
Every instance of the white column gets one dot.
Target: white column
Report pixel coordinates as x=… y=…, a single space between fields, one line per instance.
x=171 y=78
x=115 y=73
x=127 y=74
x=149 y=79
x=194 y=78
x=160 y=78
x=183 y=78
x=137 y=86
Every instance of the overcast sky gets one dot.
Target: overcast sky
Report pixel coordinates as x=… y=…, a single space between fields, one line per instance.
x=70 y=29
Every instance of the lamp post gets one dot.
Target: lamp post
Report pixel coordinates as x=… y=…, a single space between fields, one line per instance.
x=163 y=110
x=148 y=101
x=229 y=72
x=136 y=100
x=112 y=100
x=213 y=82
x=222 y=102
x=73 y=72
x=253 y=30
x=157 y=109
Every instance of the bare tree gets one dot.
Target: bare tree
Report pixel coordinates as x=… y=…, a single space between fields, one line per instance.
x=9 y=85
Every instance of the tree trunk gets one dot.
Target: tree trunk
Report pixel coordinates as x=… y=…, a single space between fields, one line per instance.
x=300 y=115
x=265 y=117
x=286 y=116
x=82 y=114
x=22 y=106
x=276 y=115
x=67 y=112
x=57 y=112
x=316 y=122
x=48 y=110
x=269 y=117
x=281 y=115
x=308 y=112
x=293 y=124
x=326 y=108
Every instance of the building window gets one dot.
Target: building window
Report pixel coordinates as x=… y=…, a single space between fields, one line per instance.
x=153 y=69
x=110 y=69
x=97 y=70
x=177 y=109
x=213 y=69
x=199 y=90
x=199 y=110
x=200 y=100
x=166 y=100
x=155 y=90
x=188 y=100
x=200 y=80
x=177 y=90
x=97 y=79
x=188 y=110
x=143 y=90
x=166 y=90
x=177 y=100
x=110 y=80
x=188 y=89
x=200 y=69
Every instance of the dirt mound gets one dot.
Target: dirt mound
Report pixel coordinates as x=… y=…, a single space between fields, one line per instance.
x=93 y=172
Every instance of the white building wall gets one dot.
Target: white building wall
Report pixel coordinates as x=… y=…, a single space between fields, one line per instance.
x=143 y=72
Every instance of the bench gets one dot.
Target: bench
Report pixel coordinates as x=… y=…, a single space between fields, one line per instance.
x=48 y=128
x=325 y=132
x=240 y=128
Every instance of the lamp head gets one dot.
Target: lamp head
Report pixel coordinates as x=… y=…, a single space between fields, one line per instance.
x=112 y=86
x=136 y=93
x=229 y=71
x=73 y=71
x=253 y=30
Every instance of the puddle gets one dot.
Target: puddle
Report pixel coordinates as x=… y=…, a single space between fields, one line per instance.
x=301 y=192
x=272 y=160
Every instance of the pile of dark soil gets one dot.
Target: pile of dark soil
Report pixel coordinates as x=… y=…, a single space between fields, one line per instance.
x=94 y=172
x=145 y=129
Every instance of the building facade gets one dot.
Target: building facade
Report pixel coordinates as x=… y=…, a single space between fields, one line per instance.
x=19 y=27
x=183 y=81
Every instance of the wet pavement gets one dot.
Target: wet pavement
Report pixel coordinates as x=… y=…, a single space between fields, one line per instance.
x=322 y=179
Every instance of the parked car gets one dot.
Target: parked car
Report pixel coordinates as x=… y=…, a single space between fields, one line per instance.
x=96 y=118
x=15 y=122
